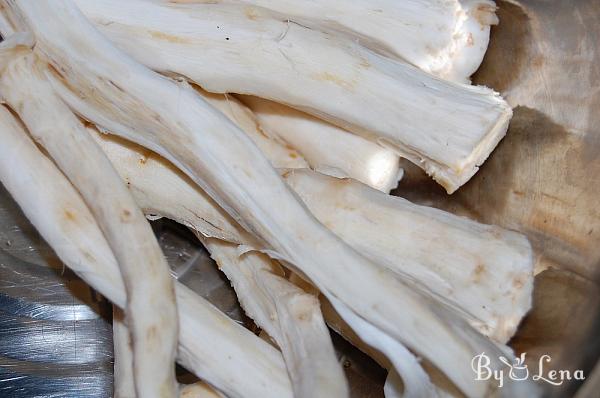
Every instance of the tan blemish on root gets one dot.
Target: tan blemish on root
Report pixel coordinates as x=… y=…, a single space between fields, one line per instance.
x=304 y=316
x=167 y=37
x=365 y=63
x=485 y=14
x=478 y=272
x=125 y=216
x=537 y=61
x=518 y=282
x=151 y=333
x=251 y=13
x=88 y=256
x=330 y=77
x=69 y=215
x=261 y=131
x=470 y=40
x=345 y=206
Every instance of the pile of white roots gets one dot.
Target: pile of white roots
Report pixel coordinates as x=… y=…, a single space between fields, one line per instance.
x=273 y=129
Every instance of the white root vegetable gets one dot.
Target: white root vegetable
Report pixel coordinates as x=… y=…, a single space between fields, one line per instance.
x=179 y=199
x=445 y=38
x=281 y=156
x=201 y=216
x=123 y=366
x=328 y=148
x=152 y=318
x=444 y=128
x=108 y=88
x=289 y=315
x=254 y=277
x=484 y=271
x=123 y=386
x=6 y=27
x=211 y=345
x=270 y=300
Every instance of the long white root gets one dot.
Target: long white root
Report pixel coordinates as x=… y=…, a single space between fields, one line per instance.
x=329 y=149
x=280 y=155
x=176 y=198
x=118 y=94
x=444 y=128
x=484 y=271
x=152 y=318
x=445 y=38
x=289 y=315
x=292 y=317
x=211 y=345
x=513 y=258
x=123 y=357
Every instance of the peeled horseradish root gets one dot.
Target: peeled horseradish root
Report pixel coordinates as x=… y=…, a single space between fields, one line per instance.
x=211 y=345
x=447 y=38
x=327 y=148
x=153 y=322
x=493 y=267
x=445 y=128
x=107 y=87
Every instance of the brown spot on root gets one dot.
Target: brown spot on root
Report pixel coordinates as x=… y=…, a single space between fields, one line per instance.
x=125 y=216
x=251 y=13
x=88 y=256
x=187 y=393
x=518 y=282
x=152 y=333
x=537 y=61
x=260 y=130
x=470 y=40
x=485 y=14
x=167 y=37
x=345 y=206
x=365 y=63
x=478 y=272
x=303 y=316
x=69 y=215
x=330 y=77
x=293 y=155
x=60 y=73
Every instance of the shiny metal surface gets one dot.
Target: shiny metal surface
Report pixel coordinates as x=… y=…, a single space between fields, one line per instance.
x=542 y=180
x=54 y=337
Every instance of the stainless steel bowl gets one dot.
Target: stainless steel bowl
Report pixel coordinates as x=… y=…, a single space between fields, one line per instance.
x=542 y=180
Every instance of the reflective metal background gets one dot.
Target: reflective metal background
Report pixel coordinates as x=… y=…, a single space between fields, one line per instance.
x=542 y=180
